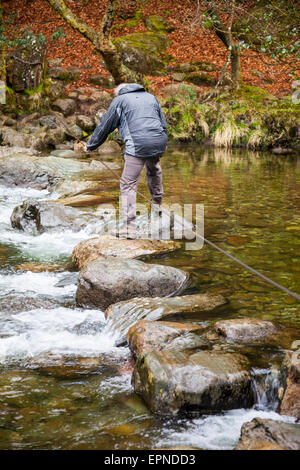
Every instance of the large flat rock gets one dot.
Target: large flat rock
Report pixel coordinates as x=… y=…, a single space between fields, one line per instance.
x=105 y=281
x=43 y=172
x=107 y=246
x=123 y=315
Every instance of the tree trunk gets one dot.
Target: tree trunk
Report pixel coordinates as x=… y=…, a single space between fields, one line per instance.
x=101 y=40
x=225 y=35
x=236 y=69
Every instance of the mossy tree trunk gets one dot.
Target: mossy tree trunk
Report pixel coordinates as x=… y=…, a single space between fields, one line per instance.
x=101 y=39
x=224 y=33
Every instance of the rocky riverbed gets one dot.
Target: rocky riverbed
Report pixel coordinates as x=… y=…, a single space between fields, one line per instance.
x=99 y=336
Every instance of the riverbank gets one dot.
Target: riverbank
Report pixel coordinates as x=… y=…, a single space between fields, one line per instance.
x=248 y=118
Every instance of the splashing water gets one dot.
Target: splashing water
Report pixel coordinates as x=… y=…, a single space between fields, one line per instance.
x=59 y=331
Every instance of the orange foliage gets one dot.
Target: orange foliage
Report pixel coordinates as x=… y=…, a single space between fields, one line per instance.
x=188 y=44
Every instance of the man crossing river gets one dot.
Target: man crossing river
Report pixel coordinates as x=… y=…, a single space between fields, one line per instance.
x=142 y=125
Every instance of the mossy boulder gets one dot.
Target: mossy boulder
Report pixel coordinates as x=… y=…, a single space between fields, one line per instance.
x=26 y=67
x=142 y=52
x=158 y=23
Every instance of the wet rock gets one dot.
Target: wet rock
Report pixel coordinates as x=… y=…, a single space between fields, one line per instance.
x=42 y=172
x=125 y=314
x=104 y=282
x=65 y=367
x=87 y=200
x=64 y=153
x=147 y=336
x=72 y=187
x=290 y=404
x=107 y=245
x=65 y=106
x=269 y=434
x=37 y=217
x=40 y=267
x=245 y=329
x=10 y=304
x=172 y=382
x=67 y=280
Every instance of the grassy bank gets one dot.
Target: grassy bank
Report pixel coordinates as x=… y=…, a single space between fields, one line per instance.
x=249 y=117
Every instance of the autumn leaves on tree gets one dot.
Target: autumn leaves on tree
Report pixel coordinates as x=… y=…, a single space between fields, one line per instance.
x=100 y=39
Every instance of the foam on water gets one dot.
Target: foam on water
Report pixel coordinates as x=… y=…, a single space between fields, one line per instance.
x=36 y=284
x=216 y=432
x=46 y=245
x=60 y=331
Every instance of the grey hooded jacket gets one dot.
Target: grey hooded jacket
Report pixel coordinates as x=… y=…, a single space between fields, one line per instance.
x=140 y=120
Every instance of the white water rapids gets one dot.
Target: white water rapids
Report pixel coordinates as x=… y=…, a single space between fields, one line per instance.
x=69 y=330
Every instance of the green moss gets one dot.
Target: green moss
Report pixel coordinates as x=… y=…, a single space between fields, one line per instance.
x=158 y=23
x=142 y=52
x=249 y=117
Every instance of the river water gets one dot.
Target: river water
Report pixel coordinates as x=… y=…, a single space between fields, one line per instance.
x=252 y=209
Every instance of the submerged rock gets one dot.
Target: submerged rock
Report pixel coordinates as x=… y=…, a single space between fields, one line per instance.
x=269 y=434
x=73 y=187
x=87 y=200
x=290 y=404
x=245 y=329
x=104 y=282
x=12 y=303
x=40 y=216
x=147 y=336
x=173 y=382
x=66 y=367
x=107 y=245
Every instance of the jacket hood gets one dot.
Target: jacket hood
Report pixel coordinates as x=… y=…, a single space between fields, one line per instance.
x=130 y=88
